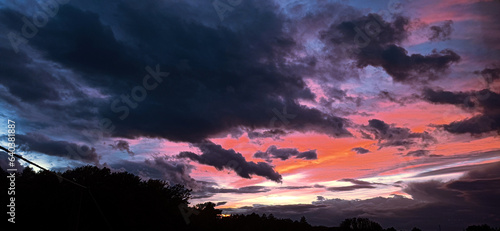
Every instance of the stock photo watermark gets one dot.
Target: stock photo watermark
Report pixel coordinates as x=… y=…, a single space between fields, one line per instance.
x=11 y=206
x=46 y=9
x=283 y=117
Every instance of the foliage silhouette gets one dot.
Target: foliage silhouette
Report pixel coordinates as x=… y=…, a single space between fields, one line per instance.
x=113 y=201
x=360 y=224
x=483 y=227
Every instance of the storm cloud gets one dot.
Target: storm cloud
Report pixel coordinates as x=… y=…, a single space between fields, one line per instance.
x=122 y=145
x=441 y=32
x=489 y=74
x=360 y=150
x=274 y=152
x=484 y=101
x=374 y=42
x=214 y=85
x=418 y=153
x=34 y=142
x=356 y=184
x=220 y=158
x=390 y=135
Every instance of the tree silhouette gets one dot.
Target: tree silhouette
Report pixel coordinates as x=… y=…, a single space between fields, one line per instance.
x=483 y=227
x=207 y=217
x=360 y=224
x=303 y=220
x=111 y=201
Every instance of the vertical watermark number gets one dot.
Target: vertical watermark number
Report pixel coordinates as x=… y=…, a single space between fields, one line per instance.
x=11 y=206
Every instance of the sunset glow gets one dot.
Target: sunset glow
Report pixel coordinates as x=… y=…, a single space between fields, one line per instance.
x=323 y=109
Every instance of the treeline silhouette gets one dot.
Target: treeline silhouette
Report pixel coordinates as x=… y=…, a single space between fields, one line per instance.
x=122 y=201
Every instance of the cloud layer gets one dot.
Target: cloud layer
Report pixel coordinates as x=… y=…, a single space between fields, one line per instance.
x=471 y=199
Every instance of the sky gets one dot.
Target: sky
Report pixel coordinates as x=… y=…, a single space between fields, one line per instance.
x=328 y=109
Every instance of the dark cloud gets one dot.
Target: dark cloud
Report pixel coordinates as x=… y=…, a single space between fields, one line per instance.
x=485 y=101
x=337 y=93
x=295 y=187
x=435 y=155
x=231 y=78
x=274 y=152
x=243 y=190
x=79 y=40
x=390 y=135
x=418 y=153
x=462 y=99
x=441 y=32
x=221 y=203
x=45 y=96
x=220 y=158
x=29 y=84
x=421 y=153
x=40 y=143
x=273 y=133
x=122 y=145
x=307 y=155
x=474 y=125
x=489 y=74
x=401 y=100
x=348 y=188
x=354 y=181
x=373 y=25
x=407 y=68
x=357 y=184
x=375 y=44
x=302 y=187
x=360 y=150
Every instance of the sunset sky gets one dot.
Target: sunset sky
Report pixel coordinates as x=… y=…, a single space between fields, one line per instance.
x=330 y=109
